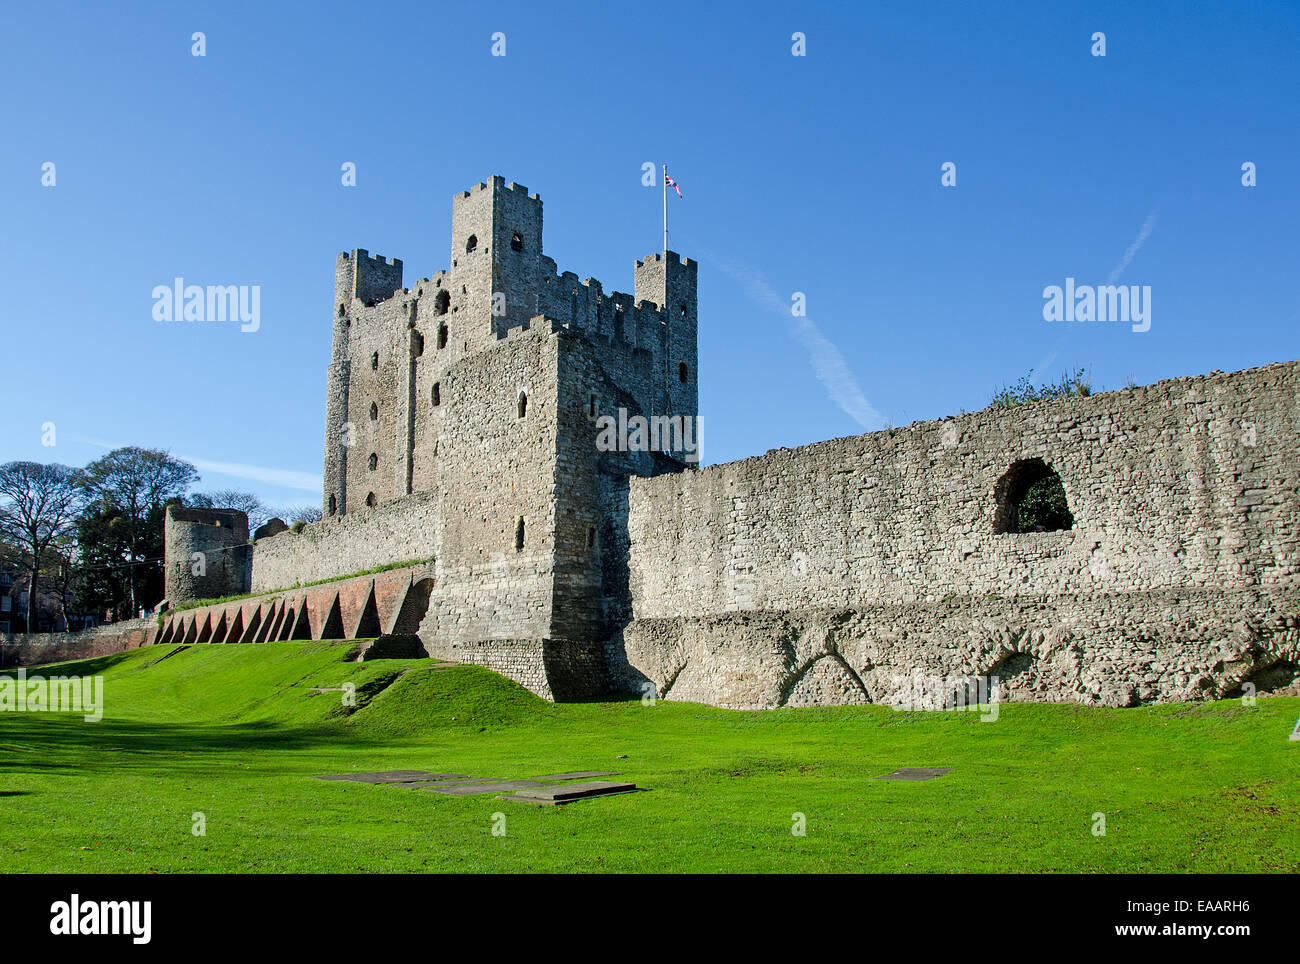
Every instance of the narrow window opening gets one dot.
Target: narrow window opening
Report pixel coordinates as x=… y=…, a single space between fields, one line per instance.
x=591 y=537
x=374 y=361
x=442 y=336
x=442 y=302
x=517 y=242
x=519 y=535
x=1030 y=497
x=593 y=406
x=334 y=505
x=437 y=393
x=522 y=408
x=371 y=500
x=683 y=372
x=417 y=344
x=374 y=461
x=374 y=412
x=471 y=244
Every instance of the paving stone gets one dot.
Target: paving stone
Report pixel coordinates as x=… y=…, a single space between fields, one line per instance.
x=569 y=792
x=916 y=773
x=580 y=775
x=393 y=776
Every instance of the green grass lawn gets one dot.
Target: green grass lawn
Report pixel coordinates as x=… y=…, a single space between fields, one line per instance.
x=236 y=733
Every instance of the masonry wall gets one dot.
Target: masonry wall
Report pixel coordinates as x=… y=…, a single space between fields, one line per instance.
x=35 y=649
x=497 y=468
x=1189 y=484
x=397 y=532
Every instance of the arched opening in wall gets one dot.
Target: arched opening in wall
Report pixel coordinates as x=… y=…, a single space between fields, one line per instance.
x=371 y=500
x=441 y=304
x=1030 y=497
x=682 y=309
x=334 y=505
x=521 y=405
x=436 y=395
x=374 y=362
x=517 y=242
x=374 y=412
x=471 y=243
x=442 y=332
x=374 y=461
x=519 y=535
x=683 y=372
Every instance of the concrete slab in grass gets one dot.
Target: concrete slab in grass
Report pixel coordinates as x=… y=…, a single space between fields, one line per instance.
x=570 y=792
x=915 y=774
x=393 y=776
x=580 y=775
x=465 y=788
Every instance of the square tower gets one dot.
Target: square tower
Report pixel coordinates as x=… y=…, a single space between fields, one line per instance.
x=496 y=258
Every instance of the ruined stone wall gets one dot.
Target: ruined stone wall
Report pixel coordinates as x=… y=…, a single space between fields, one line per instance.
x=1186 y=484
x=359 y=541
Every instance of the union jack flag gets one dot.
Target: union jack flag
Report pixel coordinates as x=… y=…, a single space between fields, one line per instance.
x=673 y=184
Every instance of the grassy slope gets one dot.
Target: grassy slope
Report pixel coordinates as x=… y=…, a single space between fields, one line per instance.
x=233 y=732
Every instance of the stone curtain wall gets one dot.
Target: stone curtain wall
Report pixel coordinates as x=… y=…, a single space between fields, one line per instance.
x=361 y=540
x=1186 y=484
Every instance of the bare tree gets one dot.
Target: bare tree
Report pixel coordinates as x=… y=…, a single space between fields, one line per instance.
x=137 y=482
x=305 y=513
x=38 y=505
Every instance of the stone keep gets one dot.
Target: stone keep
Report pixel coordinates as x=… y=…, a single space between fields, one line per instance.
x=462 y=418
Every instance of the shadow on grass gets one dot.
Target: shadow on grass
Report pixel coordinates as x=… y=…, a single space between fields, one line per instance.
x=68 y=743
x=77 y=668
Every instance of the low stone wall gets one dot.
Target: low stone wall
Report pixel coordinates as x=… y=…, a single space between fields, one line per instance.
x=1114 y=650
x=34 y=649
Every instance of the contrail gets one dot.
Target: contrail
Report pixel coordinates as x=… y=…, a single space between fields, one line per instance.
x=827 y=362
x=284 y=478
x=1147 y=227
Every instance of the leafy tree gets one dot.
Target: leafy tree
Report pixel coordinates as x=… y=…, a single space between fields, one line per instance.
x=129 y=487
x=1044 y=507
x=38 y=506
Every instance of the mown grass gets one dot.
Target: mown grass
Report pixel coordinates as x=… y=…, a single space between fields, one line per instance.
x=236 y=733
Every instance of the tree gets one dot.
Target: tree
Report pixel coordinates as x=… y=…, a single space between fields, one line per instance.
x=245 y=502
x=305 y=514
x=38 y=505
x=134 y=484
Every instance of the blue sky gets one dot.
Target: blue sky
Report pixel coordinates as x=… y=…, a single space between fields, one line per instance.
x=818 y=174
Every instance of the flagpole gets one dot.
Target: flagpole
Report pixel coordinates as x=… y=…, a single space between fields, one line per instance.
x=665 y=210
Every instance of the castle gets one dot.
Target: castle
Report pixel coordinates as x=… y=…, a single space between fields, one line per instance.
x=462 y=441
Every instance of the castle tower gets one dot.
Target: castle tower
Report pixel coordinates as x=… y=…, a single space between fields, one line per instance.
x=669 y=281
x=496 y=259
x=207 y=553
